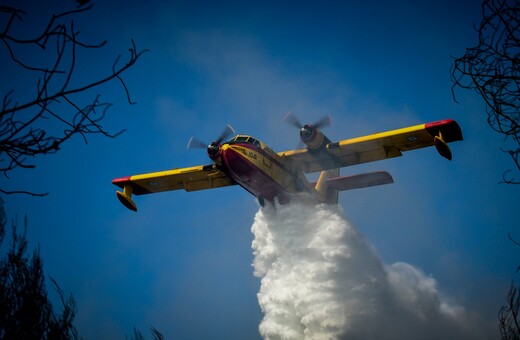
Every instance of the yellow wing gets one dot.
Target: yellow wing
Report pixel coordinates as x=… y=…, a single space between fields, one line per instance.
x=190 y=179
x=377 y=146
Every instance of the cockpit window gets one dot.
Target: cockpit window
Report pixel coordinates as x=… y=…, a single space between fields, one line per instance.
x=244 y=139
x=253 y=141
x=241 y=139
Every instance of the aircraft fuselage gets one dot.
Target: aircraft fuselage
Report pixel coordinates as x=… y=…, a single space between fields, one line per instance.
x=256 y=168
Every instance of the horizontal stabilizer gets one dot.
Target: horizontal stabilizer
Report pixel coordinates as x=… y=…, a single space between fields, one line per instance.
x=360 y=181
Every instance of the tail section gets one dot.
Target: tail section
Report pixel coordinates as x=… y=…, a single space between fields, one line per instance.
x=325 y=193
x=329 y=184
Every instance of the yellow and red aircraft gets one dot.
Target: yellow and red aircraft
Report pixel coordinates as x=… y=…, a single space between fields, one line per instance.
x=268 y=175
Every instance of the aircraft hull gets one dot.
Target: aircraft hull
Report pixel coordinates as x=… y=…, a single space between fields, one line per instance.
x=239 y=164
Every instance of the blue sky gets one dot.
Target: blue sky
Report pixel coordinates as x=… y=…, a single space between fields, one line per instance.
x=183 y=262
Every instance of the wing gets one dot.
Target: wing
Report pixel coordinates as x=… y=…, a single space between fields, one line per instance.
x=377 y=146
x=190 y=179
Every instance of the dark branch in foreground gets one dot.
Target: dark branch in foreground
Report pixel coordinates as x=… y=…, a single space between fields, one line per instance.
x=56 y=113
x=508 y=321
x=492 y=69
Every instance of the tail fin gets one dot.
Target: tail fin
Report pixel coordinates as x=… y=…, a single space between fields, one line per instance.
x=325 y=193
x=329 y=184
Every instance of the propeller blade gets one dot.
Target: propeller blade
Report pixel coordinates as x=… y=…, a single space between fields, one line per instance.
x=228 y=131
x=325 y=121
x=195 y=143
x=292 y=119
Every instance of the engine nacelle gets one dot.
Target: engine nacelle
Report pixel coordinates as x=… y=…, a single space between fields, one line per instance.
x=313 y=137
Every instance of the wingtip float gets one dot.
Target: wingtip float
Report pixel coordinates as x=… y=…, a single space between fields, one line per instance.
x=125 y=197
x=269 y=176
x=444 y=131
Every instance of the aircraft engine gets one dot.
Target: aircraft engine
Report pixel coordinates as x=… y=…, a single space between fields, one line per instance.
x=312 y=137
x=213 y=150
x=310 y=134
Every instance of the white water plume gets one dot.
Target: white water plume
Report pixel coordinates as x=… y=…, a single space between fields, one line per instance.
x=320 y=279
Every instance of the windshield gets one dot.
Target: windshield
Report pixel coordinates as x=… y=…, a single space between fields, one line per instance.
x=244 y=139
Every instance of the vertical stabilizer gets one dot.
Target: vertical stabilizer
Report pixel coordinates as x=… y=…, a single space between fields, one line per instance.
x=324 y=192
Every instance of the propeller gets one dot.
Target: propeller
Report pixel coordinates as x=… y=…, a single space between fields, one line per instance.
x=214 y=147
x=226 y=133
x=307 y=131
x=291 y=118
x=324 y=122
x=196 y=143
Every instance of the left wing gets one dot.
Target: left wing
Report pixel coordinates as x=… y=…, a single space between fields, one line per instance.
x=377 y=146
x=190 y=179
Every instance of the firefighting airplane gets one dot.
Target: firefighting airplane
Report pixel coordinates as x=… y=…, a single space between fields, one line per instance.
x=268 y=175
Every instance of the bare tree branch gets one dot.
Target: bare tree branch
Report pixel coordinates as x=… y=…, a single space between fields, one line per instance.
x=41 y=124
x=513 y=240
x=508 y=315
x=492 y=69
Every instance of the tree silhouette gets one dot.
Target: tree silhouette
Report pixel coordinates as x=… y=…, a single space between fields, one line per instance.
x=39 y=126
x=156 y=335
x=492 y=69
x=55 y=113
x=25 y=309
x=508 y=317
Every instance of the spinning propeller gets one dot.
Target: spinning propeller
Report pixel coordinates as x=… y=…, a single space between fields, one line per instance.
x=307 y=130
x=214 y=147
x=310 y=134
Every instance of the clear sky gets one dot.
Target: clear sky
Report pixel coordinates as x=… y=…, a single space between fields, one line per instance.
x=183 y=263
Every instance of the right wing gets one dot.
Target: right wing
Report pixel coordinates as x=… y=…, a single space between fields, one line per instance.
x=190 y=179
x=376 y=146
